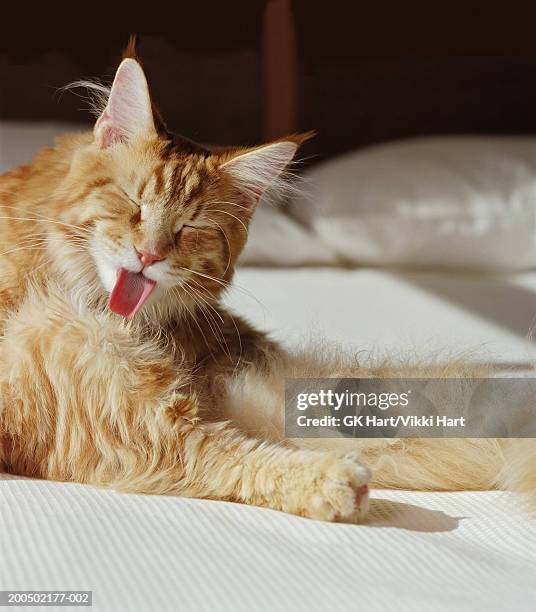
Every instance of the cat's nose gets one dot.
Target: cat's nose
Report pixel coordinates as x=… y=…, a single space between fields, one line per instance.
x=147 y=258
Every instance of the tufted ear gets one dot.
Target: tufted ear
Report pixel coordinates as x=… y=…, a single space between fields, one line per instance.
x=128 y=111
x=254 y=170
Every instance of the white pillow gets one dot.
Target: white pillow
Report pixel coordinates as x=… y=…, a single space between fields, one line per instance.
x=453 y=202
x=275 y=239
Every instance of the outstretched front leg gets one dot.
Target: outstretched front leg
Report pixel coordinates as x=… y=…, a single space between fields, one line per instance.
x=86 y=399
x=221 y=462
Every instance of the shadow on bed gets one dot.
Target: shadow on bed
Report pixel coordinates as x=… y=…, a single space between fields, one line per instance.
x=494 y=298
x=397 y=515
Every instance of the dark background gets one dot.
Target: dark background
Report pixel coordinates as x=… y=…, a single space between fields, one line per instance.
x=362 y=75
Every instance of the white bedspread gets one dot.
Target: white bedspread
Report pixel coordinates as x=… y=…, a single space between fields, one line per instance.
x=450 y=551
x=422 y=315
x=465 y=551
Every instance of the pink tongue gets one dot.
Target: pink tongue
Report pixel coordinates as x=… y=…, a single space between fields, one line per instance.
x=130 y=293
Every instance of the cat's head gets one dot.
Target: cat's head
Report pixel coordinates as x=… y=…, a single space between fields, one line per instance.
x=164 y=219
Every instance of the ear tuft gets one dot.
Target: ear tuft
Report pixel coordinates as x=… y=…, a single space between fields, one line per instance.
x=128 y=112
x=256 y=170
x=130 y=49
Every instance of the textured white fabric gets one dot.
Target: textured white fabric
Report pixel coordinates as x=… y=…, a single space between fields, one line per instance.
x=457 y=202
x=457 y=551
x=389 y=313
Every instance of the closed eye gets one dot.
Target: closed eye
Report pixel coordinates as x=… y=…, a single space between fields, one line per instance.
x=185 y=229
x=191 y=230
x=197 y=228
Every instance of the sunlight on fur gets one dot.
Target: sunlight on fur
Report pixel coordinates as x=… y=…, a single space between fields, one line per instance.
x=119 y=365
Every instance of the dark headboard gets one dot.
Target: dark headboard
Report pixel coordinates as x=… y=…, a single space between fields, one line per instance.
x=360 y=102
x=262 y=68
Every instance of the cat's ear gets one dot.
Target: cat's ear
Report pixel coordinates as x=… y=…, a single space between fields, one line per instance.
x=255 y=170
x=128 y=111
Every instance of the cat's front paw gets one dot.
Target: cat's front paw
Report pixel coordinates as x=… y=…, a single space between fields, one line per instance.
x=339 y=491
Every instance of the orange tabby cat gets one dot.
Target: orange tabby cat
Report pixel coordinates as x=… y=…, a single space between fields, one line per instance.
x=119 y=367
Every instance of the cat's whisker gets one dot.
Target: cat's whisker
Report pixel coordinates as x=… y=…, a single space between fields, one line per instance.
x=201 y=288
x=215 y=329
x=218 y=331
x=227 y=202
x=212 y=278
x=186 y=320
x=248 y=294
x=225 y=212
x=194 y=318
x=226 y=284
x=44 y=238
x=34 y=247
x=69 y=225
x=30 y=243
x=204 y=300
x=33 y=270
x=191 y=292
x=228 y=244
x=43 y=217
